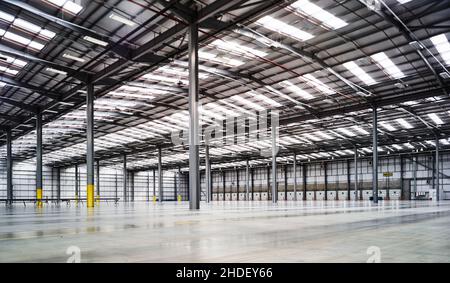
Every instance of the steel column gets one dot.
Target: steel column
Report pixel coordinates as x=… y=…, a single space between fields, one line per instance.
x=132 y=186
x=305 y=171
x=154 y=185
x=9 y=167
x=438 y=196
x=274 y=165
x=160 y=176
x=194 y=162
x=77 y=183
x=125 y=181
x=375 y=156
x=224 y=184
x=357 y=195
x=39 y=189
x=349 y=181
x=295 y=176
x=247 y=181
x=90 y=145
x=325 y=165
x=58 y=184
x=207 y=174
x=98 y=180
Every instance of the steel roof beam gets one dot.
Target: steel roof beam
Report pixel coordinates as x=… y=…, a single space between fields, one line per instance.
x=79 y=75
x=18 y=84
x=18 y=104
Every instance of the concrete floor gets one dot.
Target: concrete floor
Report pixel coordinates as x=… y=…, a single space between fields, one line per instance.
x=228 y=232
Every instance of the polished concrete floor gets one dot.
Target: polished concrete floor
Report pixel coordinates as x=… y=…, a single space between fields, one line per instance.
x=229 y=232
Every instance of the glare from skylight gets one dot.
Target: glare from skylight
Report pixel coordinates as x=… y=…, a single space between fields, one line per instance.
x=67 y=5
x=296 y=90
x=307 y=8
x=389 y=66
x=237 y=48
x=318 y=84
x=404 y=123
x=359 y=73
x=443 y=47
x=221 y=60
x=284 y=29
x=21 y=40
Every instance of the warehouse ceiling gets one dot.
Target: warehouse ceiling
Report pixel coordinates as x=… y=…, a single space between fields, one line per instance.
x=322 y=64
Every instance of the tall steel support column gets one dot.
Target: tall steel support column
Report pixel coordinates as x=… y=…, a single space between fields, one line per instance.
x=285 y=182
x=39 y=159
x=252 y=178
x=247 y=180
x=268 y=183
x=348 y=180
x=194 y=162
x=325 y=169
x=224 y=184
x=154 y=185
x=9 y=167
x=305 y=171
x=237 y=183
x=77 y=188
x=132 y=186
x=375 y=156
x=116 y=193
x=160 y=176
x=90 y=146
x=148 y=187
x=438 y=196
x=208 y=175
x=274 y=165
x=58 y=184
x=402 y=170
x=356 y=176
x=295 y=175
x=98 y=180
x=125 y=181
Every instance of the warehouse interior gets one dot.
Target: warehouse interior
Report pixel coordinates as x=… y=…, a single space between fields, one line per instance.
x=224 y=130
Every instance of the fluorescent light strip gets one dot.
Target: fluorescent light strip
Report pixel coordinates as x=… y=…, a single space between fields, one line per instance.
x=72 y=57
x=318 y=84
x=360 y=73
x=122 y=20
x=307 y=8
x=95 y=41
x=346 y=132
x=284 y=29
x=56 y=71
x=387 y=64
x=443 y=47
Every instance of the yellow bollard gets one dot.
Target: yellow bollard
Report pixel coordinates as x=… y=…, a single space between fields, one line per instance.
x=154 y=199
x=90 y=195
x=179 y=198
x=39 y=197
x=97 y=200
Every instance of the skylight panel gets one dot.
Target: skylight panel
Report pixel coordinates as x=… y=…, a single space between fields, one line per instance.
x=21 y=40
x=236 y=48
x=403 y=1
x=307 y=8
x=389 y=66
x=69 y=6
x=264 y=99
x=360 y=130
x=387 y=126
x=359 y=73
x=248 y=103
x=27 y=26
x=436 y=119
x=297 y=90
x=222 y=60
x=8 y=71
x=284 y=29
x=323 y=135
x=346 y=132
x=13 y=61
x=404 y=123
x=443 y=47
x=318 y=84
